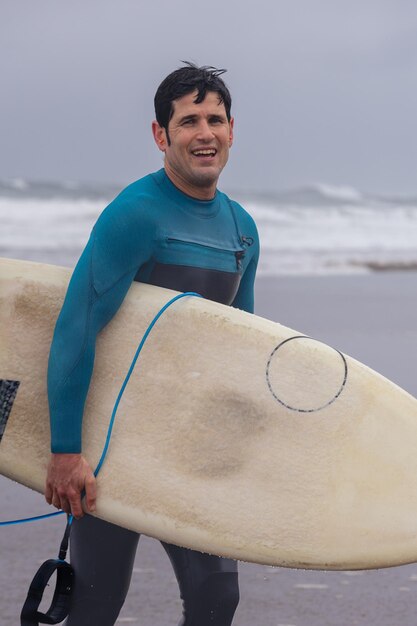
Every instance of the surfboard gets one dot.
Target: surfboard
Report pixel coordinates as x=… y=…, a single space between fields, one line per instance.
x=235 y=436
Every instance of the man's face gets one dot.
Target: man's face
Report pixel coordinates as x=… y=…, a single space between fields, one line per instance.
x=200 y=137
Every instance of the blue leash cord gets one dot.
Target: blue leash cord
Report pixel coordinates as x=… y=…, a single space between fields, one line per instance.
x=132 y=366
x=116 y=405
x=24 y=520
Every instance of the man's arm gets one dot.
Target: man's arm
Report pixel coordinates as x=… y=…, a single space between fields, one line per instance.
x=97 y=288
x=84 y=314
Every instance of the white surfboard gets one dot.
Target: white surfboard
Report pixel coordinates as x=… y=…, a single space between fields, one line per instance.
x=235 y=436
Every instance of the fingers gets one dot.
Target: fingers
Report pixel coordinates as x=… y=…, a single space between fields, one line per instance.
x=48 y=492
x=91 y=493
x=70 y=502
x=74 y=505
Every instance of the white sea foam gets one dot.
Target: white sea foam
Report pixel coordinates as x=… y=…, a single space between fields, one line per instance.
x=342 y=239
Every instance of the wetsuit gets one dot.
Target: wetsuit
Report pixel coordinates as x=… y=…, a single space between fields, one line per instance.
x=152 y=233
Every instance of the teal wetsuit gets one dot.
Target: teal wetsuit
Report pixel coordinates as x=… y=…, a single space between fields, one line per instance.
x=153 y=233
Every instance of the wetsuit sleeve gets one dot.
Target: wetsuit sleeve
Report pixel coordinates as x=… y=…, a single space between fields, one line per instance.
x=245 y=298
x=97 y=288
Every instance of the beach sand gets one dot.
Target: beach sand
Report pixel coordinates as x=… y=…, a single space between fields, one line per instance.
x=370 y=317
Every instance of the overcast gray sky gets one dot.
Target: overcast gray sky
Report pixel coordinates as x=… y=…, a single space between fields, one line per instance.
x=323 y=90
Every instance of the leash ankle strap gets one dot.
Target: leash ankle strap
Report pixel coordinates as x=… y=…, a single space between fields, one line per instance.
x=59 y=609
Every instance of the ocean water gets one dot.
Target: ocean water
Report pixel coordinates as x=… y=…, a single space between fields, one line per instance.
x=310 y=230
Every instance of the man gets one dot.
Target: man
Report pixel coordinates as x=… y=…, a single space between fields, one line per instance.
x=174 y=229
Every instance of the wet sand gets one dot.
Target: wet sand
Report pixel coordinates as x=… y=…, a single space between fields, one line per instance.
x=372 y=318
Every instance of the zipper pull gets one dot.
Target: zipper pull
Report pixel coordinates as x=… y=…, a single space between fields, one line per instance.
x=239 y=254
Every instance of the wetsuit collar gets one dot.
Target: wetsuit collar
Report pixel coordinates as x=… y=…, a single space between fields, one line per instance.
x=202 y=208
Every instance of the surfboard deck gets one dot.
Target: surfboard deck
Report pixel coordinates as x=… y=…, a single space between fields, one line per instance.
x=236 y=436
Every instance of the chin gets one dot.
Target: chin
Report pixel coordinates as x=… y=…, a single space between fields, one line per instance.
x=207 y=178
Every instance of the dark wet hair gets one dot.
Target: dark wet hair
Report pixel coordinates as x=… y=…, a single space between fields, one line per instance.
x=185 y=80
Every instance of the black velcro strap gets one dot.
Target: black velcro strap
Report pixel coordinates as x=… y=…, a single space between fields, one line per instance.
x=59 y=609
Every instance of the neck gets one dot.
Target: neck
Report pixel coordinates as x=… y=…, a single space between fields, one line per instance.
x=198 y=192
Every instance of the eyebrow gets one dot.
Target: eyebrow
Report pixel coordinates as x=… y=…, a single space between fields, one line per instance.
x=193 y=116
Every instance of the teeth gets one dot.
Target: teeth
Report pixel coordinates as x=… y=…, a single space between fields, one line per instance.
x=204 y=152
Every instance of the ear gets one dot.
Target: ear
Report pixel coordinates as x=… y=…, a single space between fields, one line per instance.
x=231 y=125
x=159 y=135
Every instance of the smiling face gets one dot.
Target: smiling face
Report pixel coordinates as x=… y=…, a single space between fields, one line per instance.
x=200 y=136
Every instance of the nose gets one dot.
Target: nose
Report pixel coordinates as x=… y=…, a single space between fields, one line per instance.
x=205 y=132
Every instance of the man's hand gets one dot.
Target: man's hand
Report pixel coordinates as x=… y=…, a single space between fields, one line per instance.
x=68 y=475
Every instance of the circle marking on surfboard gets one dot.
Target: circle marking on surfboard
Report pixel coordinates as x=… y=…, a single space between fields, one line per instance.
x=293 y=376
